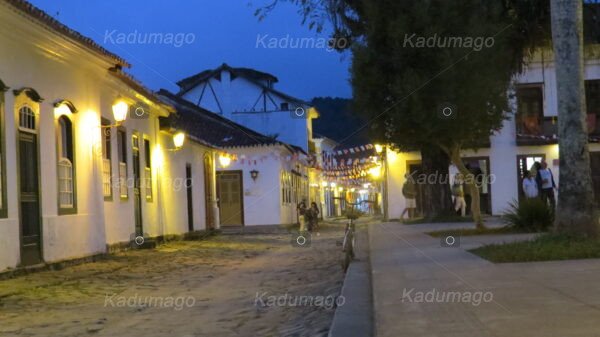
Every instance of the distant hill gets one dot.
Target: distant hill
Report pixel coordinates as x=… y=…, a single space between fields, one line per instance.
x=338 y=121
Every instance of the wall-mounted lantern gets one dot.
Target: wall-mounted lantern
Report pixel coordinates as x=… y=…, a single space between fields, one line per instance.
x=120 y=109
x=224 y=160
x=178 y=140
x=254 y=174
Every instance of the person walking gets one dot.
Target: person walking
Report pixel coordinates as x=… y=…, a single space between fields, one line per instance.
x=409 y=191
x=314 y=217
x=546 y=180
x=459 y=195
x=530 y=186
x=302 y=215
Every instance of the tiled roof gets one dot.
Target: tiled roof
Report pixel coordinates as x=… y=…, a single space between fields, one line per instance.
x=210 y=128
x=51 y=23
x=139 y=87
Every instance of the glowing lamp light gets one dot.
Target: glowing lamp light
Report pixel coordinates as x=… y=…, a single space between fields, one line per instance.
x=224 y=160
x=378 y=148
x=375 y=172
x=178 y=139
x=341 y=189
x=352 y=189
x=324 y=184
x=332 y=185
x=120 y=110
x=366 y=185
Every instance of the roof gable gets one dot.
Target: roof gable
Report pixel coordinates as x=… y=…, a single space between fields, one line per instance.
x=210 y=128
x=191 y=82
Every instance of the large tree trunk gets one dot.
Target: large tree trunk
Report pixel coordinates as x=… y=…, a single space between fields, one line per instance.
x=575 y=212
x=470 y=182
x=437 y=197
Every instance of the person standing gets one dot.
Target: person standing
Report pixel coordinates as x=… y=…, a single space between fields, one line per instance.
x=302 y=215
x=546 y=180
x=409 y=191
x=459 y=195
x=530 y=186
x=314 y=216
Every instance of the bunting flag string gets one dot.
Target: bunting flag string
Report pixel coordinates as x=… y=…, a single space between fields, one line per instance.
x=250 y=160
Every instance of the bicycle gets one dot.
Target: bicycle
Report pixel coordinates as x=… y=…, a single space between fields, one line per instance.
x=349 y=242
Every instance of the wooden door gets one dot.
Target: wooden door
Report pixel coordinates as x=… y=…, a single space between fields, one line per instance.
x=29 y=197
x=137 y=195
x=229 y=192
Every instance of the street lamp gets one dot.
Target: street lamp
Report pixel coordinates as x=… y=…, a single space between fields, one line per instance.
x=178 y=140
x=120 y=109
x=224 y=160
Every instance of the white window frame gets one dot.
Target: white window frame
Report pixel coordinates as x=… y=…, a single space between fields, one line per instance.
x=66 y=189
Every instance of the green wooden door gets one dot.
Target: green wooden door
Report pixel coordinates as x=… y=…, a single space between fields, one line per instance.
x=29 y=197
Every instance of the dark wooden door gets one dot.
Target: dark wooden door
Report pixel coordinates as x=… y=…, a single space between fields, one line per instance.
x=29 y=196
x=190 y=202
x=229 y=191
x=208 y=191
x=595 y=165
x=137 y=195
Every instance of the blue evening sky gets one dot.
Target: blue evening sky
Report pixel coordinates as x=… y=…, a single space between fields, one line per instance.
x=223 y=31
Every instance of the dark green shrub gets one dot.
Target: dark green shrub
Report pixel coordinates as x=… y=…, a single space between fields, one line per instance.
x=530 y=214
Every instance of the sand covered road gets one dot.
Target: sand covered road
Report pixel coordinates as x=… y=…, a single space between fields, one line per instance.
x=234 y=285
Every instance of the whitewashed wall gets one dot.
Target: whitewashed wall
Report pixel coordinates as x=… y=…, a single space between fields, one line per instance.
x=173 y=208
x=56 y=69
x=31 y=56
x=262 y=198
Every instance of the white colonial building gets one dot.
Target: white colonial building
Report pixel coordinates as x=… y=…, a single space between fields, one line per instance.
x=528 y=136
x=260 y=180
x=84 y=163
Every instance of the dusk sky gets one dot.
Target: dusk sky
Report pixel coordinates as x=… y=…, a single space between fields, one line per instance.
x=220 y=31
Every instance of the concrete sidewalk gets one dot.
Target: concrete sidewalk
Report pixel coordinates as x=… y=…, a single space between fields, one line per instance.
x=355 y=317
x=543 y=299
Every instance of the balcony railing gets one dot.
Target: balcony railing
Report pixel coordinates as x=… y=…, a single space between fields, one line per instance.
x=535 y=131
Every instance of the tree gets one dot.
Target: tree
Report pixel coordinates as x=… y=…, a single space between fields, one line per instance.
x=576 y=210
x=404 y=85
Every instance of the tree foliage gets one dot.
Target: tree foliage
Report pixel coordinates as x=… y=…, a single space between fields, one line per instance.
x=403 y=87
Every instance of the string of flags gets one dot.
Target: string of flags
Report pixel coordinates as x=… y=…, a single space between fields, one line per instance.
x=249 y=160
x=351 y=165
x=591 y=138
x=350 y=157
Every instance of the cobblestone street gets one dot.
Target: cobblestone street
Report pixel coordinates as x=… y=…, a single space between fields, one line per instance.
x=216 y=287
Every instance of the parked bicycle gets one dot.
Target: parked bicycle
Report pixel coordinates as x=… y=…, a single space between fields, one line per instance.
x=349 y=242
